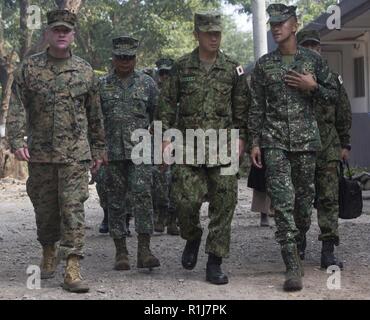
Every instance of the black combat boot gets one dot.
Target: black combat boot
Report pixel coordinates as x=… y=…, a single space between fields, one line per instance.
x=301 y=245
x=327 y=255
x=160 y=223
x=103 y=228
x=294 y=270
x=128 y=218
x=190 y=254
x=264 y=220
x=214 y=273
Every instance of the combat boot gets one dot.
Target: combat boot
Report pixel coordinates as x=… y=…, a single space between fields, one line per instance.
x=172 y=228
x=327 y=255
x=122 y=262
x=264 y=220
x=159 y=225
x=301 y=245
x=49 y=261
x=145 y=258
x=294 y=270
x=72 y=278
x=103 y=228
x=128 y=218
x=214 y=273
x=190 y=254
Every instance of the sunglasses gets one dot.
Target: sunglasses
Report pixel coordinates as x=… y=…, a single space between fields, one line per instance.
x=123 y=57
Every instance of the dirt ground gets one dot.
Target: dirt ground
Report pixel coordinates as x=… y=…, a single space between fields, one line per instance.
x=255 y=267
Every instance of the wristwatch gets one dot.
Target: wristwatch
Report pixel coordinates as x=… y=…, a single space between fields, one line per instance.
x=348 y=147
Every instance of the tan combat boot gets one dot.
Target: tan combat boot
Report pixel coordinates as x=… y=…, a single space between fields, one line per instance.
x=121 y=262
x=294 y=269
x=159 y=224
x=72 y=278
x=172 y=228
x=145 y=259
x=49 y=261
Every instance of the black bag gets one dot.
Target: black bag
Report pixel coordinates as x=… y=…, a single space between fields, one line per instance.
x=257 y=177
x=350 y=196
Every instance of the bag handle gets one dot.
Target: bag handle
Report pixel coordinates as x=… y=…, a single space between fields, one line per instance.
x=345 y=162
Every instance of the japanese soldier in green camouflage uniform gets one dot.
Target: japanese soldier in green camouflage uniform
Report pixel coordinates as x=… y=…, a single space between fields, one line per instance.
x=164 y=211
x=128 y=100
x=282 y=122
x=334 y=126
x=55 y=103
x=208 y=90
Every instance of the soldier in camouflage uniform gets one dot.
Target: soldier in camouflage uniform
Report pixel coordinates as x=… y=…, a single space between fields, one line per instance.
x=164 y=211
x=128 y=100
x=55 y=102
x=334 y=126
x=282 y=122
x=208 y=90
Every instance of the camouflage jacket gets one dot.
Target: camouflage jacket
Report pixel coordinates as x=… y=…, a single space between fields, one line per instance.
x=57 y=107
x=217 y=99
x=334 y=123
x=282 y=117
x=127 y=106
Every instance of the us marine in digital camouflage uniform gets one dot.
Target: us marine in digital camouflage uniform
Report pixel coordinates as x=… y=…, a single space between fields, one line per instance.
x=55 y=104
x=334 y=126
x=208 y=90
x=128 y=101
x=164 y=210
x=282 y=122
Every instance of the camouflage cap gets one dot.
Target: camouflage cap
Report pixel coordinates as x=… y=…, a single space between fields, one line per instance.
x=280 y=12
x=308 y=35
x=126 y=46
x=207 y=21
x=164 y=64
x=61 y=18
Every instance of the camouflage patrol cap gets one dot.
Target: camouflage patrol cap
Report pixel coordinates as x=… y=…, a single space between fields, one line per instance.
x=61 y=18
x=207 y=21
x=280 y=12
x=164 y=64
x=308 y=35
x=125 y=46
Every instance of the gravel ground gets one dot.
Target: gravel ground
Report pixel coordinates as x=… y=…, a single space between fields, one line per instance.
x=255 y=267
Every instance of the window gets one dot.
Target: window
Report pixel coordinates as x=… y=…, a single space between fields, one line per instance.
x=359 y=67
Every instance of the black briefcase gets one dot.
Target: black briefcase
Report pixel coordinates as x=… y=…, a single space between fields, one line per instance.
x=350 y=195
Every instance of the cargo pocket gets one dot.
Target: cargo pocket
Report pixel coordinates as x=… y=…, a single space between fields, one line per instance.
x=189 y=101
x=222 y=99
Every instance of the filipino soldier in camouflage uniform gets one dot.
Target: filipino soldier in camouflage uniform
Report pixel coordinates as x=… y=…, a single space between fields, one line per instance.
x=164 y=211
x=282 y=122
x=55 y=102
x=128 y=101
x=208 y=90
x=334 y=126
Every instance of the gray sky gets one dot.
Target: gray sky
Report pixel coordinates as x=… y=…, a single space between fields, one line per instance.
x=242 y=21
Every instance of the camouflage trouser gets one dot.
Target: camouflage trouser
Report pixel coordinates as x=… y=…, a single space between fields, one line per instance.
x=123 y=178
x=290 y=185
x=101 y=187
x=327 y=190
x=160 y=190
x=58 y=193
x=190 y=186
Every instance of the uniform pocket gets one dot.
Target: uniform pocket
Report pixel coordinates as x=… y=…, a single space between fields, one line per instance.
x=222 y=99
x=190 y=100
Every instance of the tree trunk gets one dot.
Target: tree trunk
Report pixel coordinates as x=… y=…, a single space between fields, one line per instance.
x=26 y=34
